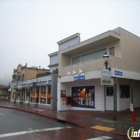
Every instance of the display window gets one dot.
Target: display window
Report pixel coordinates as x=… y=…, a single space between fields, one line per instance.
x=43 y=95
x=83 y=96
x=49 y=95
x=32 y=95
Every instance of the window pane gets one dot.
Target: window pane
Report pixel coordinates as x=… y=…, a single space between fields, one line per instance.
x=109 y=91
x=99 y=54
x=124 y=91
x=87 y=57
x=112 y=51
x=76 y=60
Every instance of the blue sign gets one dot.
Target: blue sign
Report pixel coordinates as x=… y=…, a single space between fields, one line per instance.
x=119 y=73
x=34 y=84
x=78 y=78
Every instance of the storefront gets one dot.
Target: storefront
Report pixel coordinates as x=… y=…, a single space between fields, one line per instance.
x=90 y=94
x=81 y=95
x=38 y=91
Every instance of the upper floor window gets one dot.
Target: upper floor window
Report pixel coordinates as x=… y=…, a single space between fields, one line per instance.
x=87 y=57
x=99 y=54
x=112 y=51
x=76 y=60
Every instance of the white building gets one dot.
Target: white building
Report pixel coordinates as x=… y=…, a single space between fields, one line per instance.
x=79 y=84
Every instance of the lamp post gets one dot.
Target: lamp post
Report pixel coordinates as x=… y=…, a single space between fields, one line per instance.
x=106 y=56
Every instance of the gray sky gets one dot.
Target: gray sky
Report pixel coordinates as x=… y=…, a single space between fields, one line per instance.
x=30 y=29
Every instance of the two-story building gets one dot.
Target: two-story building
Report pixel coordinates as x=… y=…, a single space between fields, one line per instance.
x=34 y=85
x=80 y=79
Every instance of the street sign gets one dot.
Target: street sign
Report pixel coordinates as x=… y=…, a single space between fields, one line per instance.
x=78 y=78
x=118 y=73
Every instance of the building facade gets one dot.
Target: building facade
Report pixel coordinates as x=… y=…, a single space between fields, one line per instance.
x=34 y=86
x=25 y=73
x=80 y=84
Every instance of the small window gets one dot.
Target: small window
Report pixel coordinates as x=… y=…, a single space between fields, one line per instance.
x=112 y=51
x=124 y=91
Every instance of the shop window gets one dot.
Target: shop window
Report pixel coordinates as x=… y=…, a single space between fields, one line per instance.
x=43 y=95
x=124 y=91
x=83 y=96
x=37 y=95
x=112 y=51
x=49 y=95
x=32 y=94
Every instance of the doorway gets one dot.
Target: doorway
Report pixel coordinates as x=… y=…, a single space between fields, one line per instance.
x=109 y=98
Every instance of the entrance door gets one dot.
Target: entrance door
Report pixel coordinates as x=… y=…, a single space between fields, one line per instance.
x=109 y=98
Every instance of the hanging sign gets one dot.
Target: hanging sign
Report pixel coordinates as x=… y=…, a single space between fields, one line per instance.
x=106 y=78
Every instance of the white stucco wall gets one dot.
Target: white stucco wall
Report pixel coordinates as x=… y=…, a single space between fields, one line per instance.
x=99 y=94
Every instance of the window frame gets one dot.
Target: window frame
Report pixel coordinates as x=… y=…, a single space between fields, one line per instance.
x=123 y=95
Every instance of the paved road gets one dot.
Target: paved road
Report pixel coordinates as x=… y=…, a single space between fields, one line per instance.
x=15 y=121
x=15 y=125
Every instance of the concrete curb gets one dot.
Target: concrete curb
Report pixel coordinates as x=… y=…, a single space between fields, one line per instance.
x=63 y=120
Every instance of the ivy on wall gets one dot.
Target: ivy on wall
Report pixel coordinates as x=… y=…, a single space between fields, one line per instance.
x=42 y=74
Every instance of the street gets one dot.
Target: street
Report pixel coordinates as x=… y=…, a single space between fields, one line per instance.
x=15 y=125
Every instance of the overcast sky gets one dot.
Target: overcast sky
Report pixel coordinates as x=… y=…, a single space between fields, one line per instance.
x=30 y=29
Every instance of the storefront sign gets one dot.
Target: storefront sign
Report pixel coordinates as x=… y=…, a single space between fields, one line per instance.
x=106 y=78
x=118 y=73
x=78 y=78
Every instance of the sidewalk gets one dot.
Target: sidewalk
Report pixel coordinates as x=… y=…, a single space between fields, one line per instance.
x=96 y=120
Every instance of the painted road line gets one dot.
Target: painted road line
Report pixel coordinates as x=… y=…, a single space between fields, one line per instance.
x=103 y=128
x=1 y=114
x=33 y=131
x=102 y=138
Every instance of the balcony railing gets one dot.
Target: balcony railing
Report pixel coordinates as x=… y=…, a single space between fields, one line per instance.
x=89 y=66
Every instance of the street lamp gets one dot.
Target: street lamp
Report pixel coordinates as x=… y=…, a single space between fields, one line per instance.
x=106 y=56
